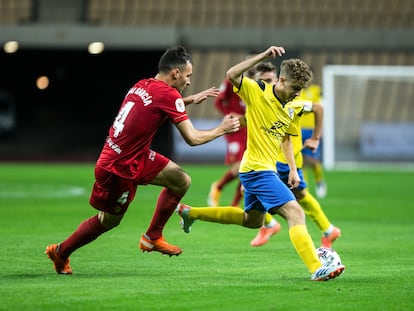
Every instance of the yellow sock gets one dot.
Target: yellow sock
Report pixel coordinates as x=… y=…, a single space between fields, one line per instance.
x=268 y=219
x=318 y=172
x=220 y=214
x=304 y=246
x=314 y=210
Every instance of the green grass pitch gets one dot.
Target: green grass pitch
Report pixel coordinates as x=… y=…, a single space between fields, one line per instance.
x=42 y=204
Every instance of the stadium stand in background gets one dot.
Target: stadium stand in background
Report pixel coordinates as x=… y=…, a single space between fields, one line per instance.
x=349 y=14
x=309 y=17
x=257 y=13
x=313 y=14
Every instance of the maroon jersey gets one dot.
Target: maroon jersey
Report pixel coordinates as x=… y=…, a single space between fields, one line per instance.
x=228 y=101
x=147 y=105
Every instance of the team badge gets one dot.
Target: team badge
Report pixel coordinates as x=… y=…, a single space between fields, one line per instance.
x=179 y=104
x=291 y=112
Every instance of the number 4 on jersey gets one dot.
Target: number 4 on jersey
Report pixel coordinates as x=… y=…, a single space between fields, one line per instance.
x=120 y=118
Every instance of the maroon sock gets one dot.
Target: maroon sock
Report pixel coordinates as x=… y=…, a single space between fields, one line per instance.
x=228 y=177
x=166 y=205
x=87 y=231
x=237 y=195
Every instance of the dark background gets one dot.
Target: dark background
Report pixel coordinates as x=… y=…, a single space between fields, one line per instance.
x=69 y=120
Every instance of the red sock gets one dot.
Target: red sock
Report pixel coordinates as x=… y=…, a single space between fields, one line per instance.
x=237 y=195
x=87 y=231
x=166 y=205
x=228 y=177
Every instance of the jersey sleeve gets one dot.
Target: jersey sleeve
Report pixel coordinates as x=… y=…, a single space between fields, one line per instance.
x=245 y=90
x=307 y=106
x=175 y=107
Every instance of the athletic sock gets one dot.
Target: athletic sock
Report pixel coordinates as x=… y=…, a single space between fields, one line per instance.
x=269 y=221
x=166 y=205
x=328 y=231
x=318 y=172
x=304 y=247
x=87 y=231
x=220 y=214
x=314 y=210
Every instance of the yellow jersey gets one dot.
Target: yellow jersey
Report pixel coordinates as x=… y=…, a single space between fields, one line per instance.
x=268 y=121
x=314 y=94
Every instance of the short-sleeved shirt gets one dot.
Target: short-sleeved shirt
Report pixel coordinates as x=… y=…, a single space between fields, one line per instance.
x=146 y=106
x=268 y=121
x=228 y=101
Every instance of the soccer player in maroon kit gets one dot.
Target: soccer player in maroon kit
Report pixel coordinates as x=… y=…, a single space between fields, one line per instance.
x=127 y=161
x=228 y=102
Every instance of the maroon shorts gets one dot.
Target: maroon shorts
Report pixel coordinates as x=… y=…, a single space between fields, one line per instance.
x=236 y=144
x=113 y=194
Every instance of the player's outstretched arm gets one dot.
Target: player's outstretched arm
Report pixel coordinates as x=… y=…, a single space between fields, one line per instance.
x=234 y=74
x=312 y=143
x=195 y=137
x=201 y=96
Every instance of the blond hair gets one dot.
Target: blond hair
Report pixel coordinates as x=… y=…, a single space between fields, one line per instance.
x=296 y=71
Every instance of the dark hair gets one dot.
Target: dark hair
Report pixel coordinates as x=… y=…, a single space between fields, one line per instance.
x=174 y=57
x=265 y=67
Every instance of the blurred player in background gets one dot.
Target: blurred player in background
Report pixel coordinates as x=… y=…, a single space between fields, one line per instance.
x=312 y=158
x=127 y=161
x=272 y=115
x=228 y=102
x=310 y=205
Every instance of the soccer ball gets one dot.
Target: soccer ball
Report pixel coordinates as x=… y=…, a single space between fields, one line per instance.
x=328 y=256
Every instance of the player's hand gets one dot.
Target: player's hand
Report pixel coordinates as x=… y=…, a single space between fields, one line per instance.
x=274 y=51
x=294 y=179
x=202 y=96
x=311 y=144
x=241 y=117
x=230 y=124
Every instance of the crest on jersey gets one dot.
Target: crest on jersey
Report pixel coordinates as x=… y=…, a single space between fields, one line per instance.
x=179 y=104
x=291 y=112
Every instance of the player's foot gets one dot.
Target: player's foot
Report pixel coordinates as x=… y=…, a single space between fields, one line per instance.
x=214 y=195
x=265 y=234
x=321 y=190
x=326 y=241
x=186 y=221
x=159 y=245
x=61 y=265
x=325 y=273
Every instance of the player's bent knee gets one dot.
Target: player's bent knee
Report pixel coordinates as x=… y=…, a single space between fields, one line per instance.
x=182 y=184
x=109 y=221
x=292 y=212
x=296 y=214
x=186 y=181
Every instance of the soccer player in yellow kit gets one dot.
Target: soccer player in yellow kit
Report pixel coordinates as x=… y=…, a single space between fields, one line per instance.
x=272 y=115
x=310 y=205
x=312 y=158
